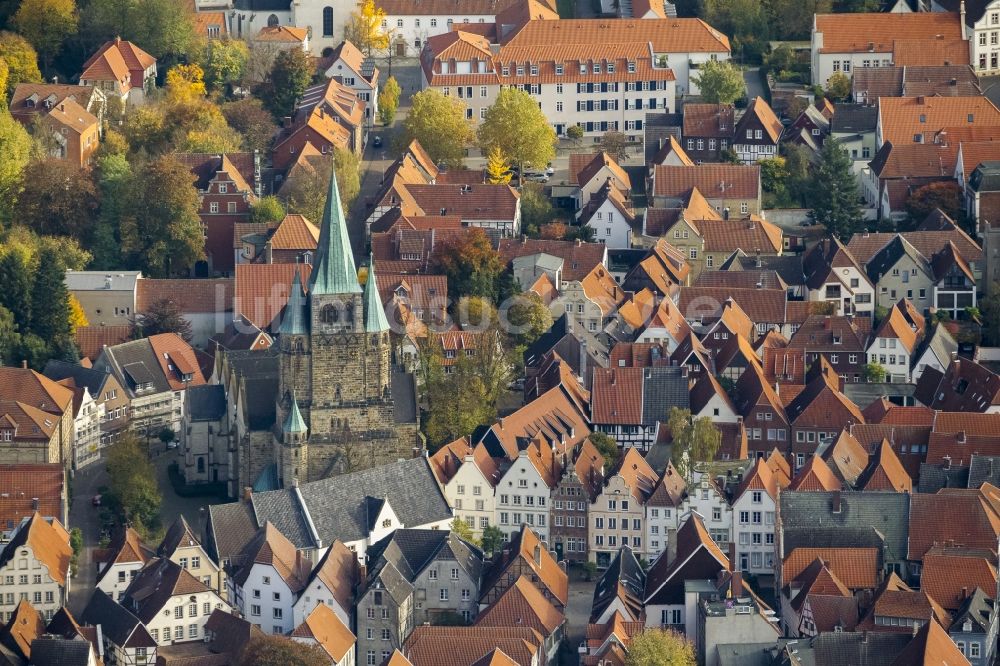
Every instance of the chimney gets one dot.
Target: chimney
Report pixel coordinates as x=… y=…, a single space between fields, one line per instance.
x=947 y=462
x=920 y=100
x=247 y=493
x=24 y=364
x=286 y=121
x=737 y=585
x=835 y=501
x=960 y=437
x=961 y=19
x=732 y=555
x=583 y=360
x=864 y=637
x=965 y=593
x=538 y=555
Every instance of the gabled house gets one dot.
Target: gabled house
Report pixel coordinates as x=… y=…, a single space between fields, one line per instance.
x=763 y=413
x=821 y=603
x=730 y=189
x=838 y=340
x=609 y=213
x=619 y=510
x=41 y=546
x=36 y=414
x=832 y=275
x=707 y=131
x=522 y=605
x=524 y=489
x=974 y=628
x=581 y=482
x=592 y=173
x=268 y=582
x=758 y=132
x=965 y=386
x=121 y=562
x=818 y=413
x=663 y=512
x=324 y=628
x=332 y=583
x=524 y=555
x=894 y=345
x=31 y=488
x=899 y=608
x=121 y=68
x=754 y=518
x=328 y=115
x=629 y=404
x=469 y=477
x=935 y=352
x=619 y=591
x=697 y=557
x=124 y=637
x=183 y=547
x=108 y=395
x=358 y=72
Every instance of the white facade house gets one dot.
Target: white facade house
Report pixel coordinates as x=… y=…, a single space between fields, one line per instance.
x=34 y=565
x=573 y=79
x=470 y=492
x=706 y=499
x=611 y=218
x=893 y=346
x=524 y=490
x=618 y=514
x=86 y=429
x=663 y=512
x=357 y=73
x=936 y=352
x=753 y=520
x=330 y=584
x=127 y=556
x=266 y=587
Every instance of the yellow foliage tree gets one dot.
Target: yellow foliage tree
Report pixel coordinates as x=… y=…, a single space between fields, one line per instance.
x=185 y=83
x=364 y=28
x=77 y=317
x=497 y=169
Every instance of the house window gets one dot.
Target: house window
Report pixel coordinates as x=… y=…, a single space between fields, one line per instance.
x=213 y=207
x=443 y=594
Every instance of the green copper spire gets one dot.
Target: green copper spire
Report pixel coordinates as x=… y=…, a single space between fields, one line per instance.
x=333 y=268
x=294 y=423
x=375 y=321
x=295 y=321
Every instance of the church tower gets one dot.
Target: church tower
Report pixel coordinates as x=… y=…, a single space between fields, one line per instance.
x=335 y=367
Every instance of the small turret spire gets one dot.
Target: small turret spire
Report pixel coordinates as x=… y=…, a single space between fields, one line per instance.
x=295 y=321
x=294 y=423
x=375 y=321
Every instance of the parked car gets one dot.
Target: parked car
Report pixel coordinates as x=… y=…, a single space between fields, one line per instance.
x=377 y=141
x=171 y=446
x=536 y=177
x=96 y=500
x=549 y=169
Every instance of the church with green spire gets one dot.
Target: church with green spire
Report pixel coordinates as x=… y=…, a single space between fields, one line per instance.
x=340 y=406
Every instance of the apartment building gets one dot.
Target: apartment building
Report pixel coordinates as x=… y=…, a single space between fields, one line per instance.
x=617 y=516
x=601 y=75
x=34 y=566
x=468 y=476
x=753 y=519
x=525 y=488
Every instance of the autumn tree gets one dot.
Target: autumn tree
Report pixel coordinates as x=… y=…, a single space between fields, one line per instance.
x=224 y=62
x=516 y=126
x=607 y=447
x=185 y=83
x=833 y=191
x=462 y=530
x=267 y=209
x=692 y=441
x=281 y=651
x=133 y=493
x=290 y=76
x=388 y=100
x=945 y=195
x=497 y=168
x=21 y=59
x=773 y=180
x=4 y=76
x=471 y=265
x=615 y=144
x=660 y=647
x=364 y=28
x=165 y=234
x=306 y=193
x=438 y=123
x=15 y=147
x=58 y=199
x=528 y=318
x=536 y=209
x=458 y=401
x=46 y=24
x=838 y=86
x=720 y=82
x=251 y=120
x=163 y=316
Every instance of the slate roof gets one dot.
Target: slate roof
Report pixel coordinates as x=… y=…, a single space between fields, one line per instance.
x=853 y=118
x=117 y=623
x=977 y=608
x=409 y=551
x=337 y=504
x=53 y=651
x=623 y=579
x=865 y=513
x=206 y=403
x=850 y=648
x=155 y=584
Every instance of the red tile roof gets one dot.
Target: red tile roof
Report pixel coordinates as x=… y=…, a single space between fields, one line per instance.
x=885 y=472
x=856 y=568
x=950 y=575
x=931 y=646
x=326 y=628
x=262 y=290
x=714 y=181
x=24 y=482
x=959 y=516
x=191 y=296
x=815 y=475
x=876 y=33
x=522 y=604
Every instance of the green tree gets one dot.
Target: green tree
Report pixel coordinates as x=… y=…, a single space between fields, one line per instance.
x=660 y=647
x=838 y=86
x=439 y=124
x=224 y=62
x=4 y=76
x=163 y=316
x=497 y=168
x=516 y=126
x=793 y=19
x=989 y=307
x=574 y=133
x=536 y=209
x=873 y=373
x=946 y=195
x=15 y=146
x=388 y=100
x=305 y=194
x=746 y=21
x=834 y=192
x=615 y=144
x=290 y=76
x=471 y=265
x=16 y=275
x=165 y=234
x=458 y=402
x=720 y=82
x=50 y=306
x=528 y=317
x=114 y=181
x=252 y=121
x=267 y=209
x=608 y=448
x=161 y=27
x=281 y=651
x=798 y=164
x=46 y=24
x=492 y=540
x=462 y=530
x=693 y=441
x=133 y=492
x=76 y=543
x=10 y=338
x=364 y=28
x=773 y=178
x=58 y=199
x=21 y=59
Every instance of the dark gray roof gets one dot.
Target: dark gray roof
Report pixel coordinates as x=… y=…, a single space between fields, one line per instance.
x=974 y=9
x=119 y=625
x=657 y=127
x=411 y=550
x=940 y=342
x=282 y=509
x=830 y=537
x=263 y=6
x=663 y=388
x=179 y=534
x=135 y=363
x=978 y=608
x=984 y=469
x=853 y=118
x=886 y=258
x=392 y=580
x=563 y=327
x=230 y=528
x=404 y=397
x=337 y=505
x=935 y=477
x=93 y=380
x=886 y=513
x=624 y=569
x=870 y=648
x=757 y=654
x=57 y=651
x=260 y=372
x=206 y=403
x=787 y=266
x=986 y=177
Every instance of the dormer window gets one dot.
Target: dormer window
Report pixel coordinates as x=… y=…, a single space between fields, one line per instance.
x=583 y=68
x=631 y=67
x=6 y=435
x=520 y=70
x=611 y=68
x=597 y=68
x=559 y=69
x=534 y=70
x=387 y=522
